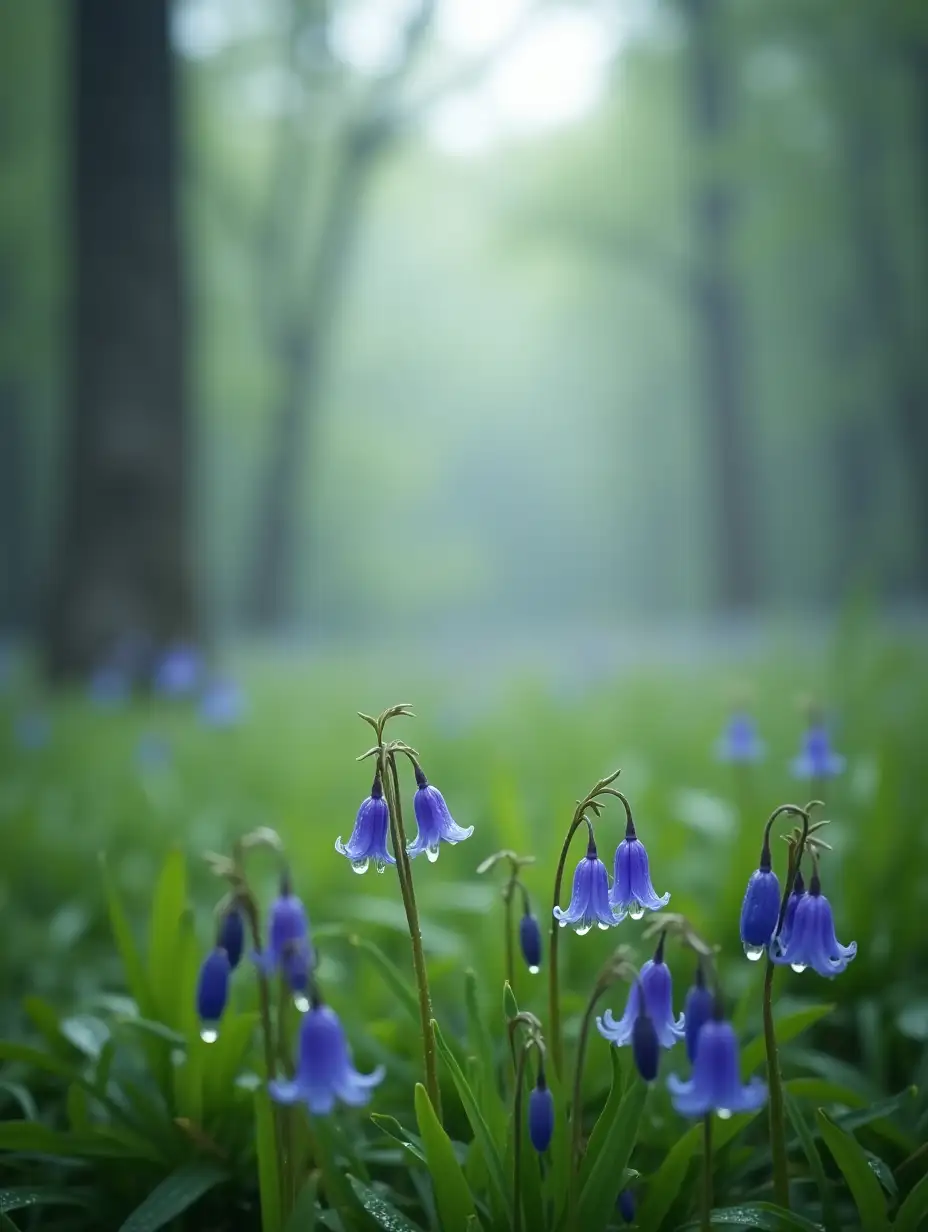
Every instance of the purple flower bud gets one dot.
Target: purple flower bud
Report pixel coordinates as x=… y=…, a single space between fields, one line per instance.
x=541 y=1115
x=213 y=992
x=232 y=936
x=626 y=1205
x=759 y=912
x=530 y=941
x=646 y=1049
x=697 y=1010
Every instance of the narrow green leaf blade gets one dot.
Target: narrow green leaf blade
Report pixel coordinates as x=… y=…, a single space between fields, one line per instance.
x=598 y=1195
x=24 y=1197
x=667 y=1181
x=600 y=1131
x=176 y=1194
x=761 y=1216
x=452 y=1195
x=405 y=1137
x=787 y=1027
x=914 y=1210
x=807 y=1139
x=852 y=1160
x=303 y=1216
x=136 y=980
x=268 y=1167
x=383 y=1213
x=168 y=907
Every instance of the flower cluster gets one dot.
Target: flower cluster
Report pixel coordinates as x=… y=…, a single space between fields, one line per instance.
x=816 y=761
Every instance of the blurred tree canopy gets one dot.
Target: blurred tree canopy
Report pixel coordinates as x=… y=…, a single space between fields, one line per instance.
x=665 y=359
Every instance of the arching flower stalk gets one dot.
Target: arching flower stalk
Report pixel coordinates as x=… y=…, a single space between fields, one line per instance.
x=529 y=930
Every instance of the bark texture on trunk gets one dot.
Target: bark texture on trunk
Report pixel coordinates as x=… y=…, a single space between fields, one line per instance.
x=720 y=320
x=122 y=561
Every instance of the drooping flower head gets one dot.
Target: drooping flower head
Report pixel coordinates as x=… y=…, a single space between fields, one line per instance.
x=632 y=892
x=817 y=759
x=436 y=825
x=739 y=742
x=530 y=940
x=324 y=1071
x=811 y=940
x=222 y=703
x=760 y=910
x=232 y=935
x=716 y=1082
x=798 y=890
x=697 y=1011
x=179 y=670
x=589 y=899
x=646 y=1049
x=368 y=839
x=213 y=992
x=541 y=1114
x=626 y=1205
x=288 y=949
x=656 y=986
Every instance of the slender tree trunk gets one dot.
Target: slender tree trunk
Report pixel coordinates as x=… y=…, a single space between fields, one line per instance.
x=270 y=580
x=881 y=292
x=720 y=313
x=122 y=558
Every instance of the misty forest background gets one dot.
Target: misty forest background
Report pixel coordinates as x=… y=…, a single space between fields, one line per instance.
x=297 y=337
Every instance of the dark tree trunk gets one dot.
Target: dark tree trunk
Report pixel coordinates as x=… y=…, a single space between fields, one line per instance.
x=122 y=563
x=720 y=314
x=882 y=296
x=15 y=555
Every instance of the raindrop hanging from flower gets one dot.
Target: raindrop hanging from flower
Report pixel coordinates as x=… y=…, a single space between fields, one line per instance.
x=436 y=825
x=589 y=899
x=530 y=939
x=368 y=841
x=213 y=993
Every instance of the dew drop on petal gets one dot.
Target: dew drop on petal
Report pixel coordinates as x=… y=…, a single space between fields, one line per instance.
x=635 y=909
x=360 y=866
x=432 y=853
x=534 y=970
x=301 y=1002
x=798 y=967
x=563 y=923
x=584 y=927
x=604 y=927
x=753 y=952
x=209 y=1035
x=724 y=1114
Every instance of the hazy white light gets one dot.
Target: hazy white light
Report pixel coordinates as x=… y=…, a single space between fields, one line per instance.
x=472 y=26
x=368 y=35
x=464 y=124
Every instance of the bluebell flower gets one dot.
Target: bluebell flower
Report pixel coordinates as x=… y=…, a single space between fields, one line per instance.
x=817 y=760
x=288 y=948
x=368 y=839
x=656 y=985
x=632 y=891
x=760 y=910
x=589 y=899
x=222 y=704
x=324 y=1068
x=739 y=742
x=716 y=1082
x=213 y=992
x=798 y=890
x=697 y=1010
x=646 y=1049
x=232 y=935
x=179 y=670
x=109 y=685
x=436 y=825
x=32 y=730
x=530 y=941
x=541 y=1114
x=626 y=1205
x=811 y=941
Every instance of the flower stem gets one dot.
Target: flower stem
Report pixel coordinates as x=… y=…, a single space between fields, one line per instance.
x=508 y=895
x=706 y=1223
x=554 y=1002
x=517 y=1141
x=404 y=871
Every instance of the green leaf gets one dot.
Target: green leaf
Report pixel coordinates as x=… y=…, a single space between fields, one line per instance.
x=388 y=970
x=164 y=939
x=852 y=1160
x=452 y=1196
x=477 y=1121
x=22 y=1096
x=405 y=1137
x=558 y=1177
x=37 y=1058
x=31 y=1138
x=176 y=1194
x=599 y=1192
x=383 y=1213
x=914 y=1209
x=338 y=1193
x=787 y=1027
x=268 y=1168
x=807 y=1139
x=303 y=1216
x=762 y=1216
x=136 y=980
x=223 y=1060
x=23 y=1197
x=491 y=1102
x=610 y=1110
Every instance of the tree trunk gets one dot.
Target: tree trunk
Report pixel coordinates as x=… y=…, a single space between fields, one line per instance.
x=881 y=293
x=720 y=314
x=122 y=563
